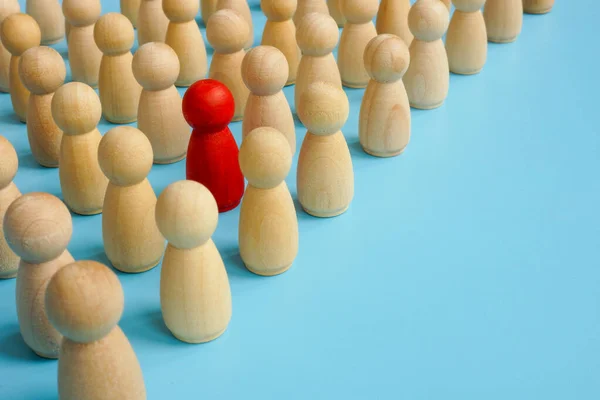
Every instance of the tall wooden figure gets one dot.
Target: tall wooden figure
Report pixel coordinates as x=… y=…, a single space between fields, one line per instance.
x=268 y=233
x=9 y=163
x=49 y=17
x=131 y=9
x=537 y=6
x=503 y=20
x=466 y=40
x=10 y=7
x=96 y=360
x=309 y=6
x=195 y=297
x=207 y=9
x=393 y=18
x=335 y=10
x=38 y=229
x=152 y=22
x=242 y=7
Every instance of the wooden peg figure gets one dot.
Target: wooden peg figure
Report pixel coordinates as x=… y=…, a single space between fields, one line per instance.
x=466 y=40
x=131 y=9
x=212 y=158
x=183 y=35
x=537 y=6
x=393 y=18
x=84 y=54
x=503 y=20
x=317 y=36
x=131 y=239
x=325 y=179
x=9 y=7
x=156 y=66
x=428 y=77
x=268 y=232
x=49 y=16
x=265 y=72
x=9 y=163
x=226 y=31
x=335 y=10
x=242 y=7
x=309 y=6
x=195 y=296
x=76 y=110
x=207 y=9
x=152 y=22
x=358 y=31
x=19 y=32
x=38 y=228
x=119 y=91
x=280 y=32
x=447 y=3
x=85 y=301
x=384 y=121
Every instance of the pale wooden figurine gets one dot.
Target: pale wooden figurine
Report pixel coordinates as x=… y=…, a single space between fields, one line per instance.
x=268 y=232
x=265 y=72
x=85 y=301
x=49 y=16
x=160 y=117
x=119 y=91
x=207 y=9
x=226 y=32
x=19 y=32
x=76 y=110
x=384 y=121
x=84 y=54
x=131 y=9
x=309 y=6
x=195 y=296
x=131 y=239
x=317 y=36
x=393 y=18
x=9 y=7
x=428 y=77
x=335 y=11
x=447 y=3
x=183 y=35
x=38 y=228
x=325 y=179
x=242 y=7
x=538 y=6
x=466 y=40
x=358 y=31
x=503 y=20
x=152 y=22
x=9 y=163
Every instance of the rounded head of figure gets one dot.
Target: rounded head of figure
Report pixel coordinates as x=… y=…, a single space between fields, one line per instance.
x=186 y=214
x=227 y=31
x=208 y=106
x=76 y=108
x=38 y=227
x=265 y=157
x=114 y=34
x=42 y=70
x=386 y=58
x=9 y=163
x=84 y=301
x=181 y=10
x=428 y=20
x=317 y=34
x=125 y=156
x=155 y=66
x=265 y=70
x=279 y=10
x=468 y=6
x=359 y=11
x=20 y=32
x=323 y=108
x=81 y=12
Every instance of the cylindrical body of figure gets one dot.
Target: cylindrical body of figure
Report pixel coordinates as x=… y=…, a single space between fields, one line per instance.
x=84 y=55
x=309 y=6
x=273 y=111
x=537 y=6
x=226 y=68
x=152 y=22
x=43 y=133
x=131 y=9
x=119 y=92
x=503 y=20
x=466 y=42
x=242 y=7
x=393 y=18
x=336 y=12
x=50 y=18
x=427 y=80
x=207 y=9
x=9 y=164
x=316 y=69
x=10 y=7
x=185 y=38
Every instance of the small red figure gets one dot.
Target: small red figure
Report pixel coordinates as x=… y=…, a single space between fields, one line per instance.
x=212 y=156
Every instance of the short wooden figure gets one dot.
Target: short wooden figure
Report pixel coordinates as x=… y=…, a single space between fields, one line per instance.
x=9 y=163
x=325 y=179
x=131 y=9
x=85 y=302
x=49 y=16
x=317 y=36
x=76 y=110
x=156 y=66
x=384 y=121
x=84 y=54
x=42 y=71
x=393 y=18
x=503 y=20
x=119 y=91
x=9 y=7
x=38 y=228
x=226 y=31
x=19 y=32
x=309 y=6
x=183 y=35
x=212 y=157
x=537 y=6
x=335 y=10
x=358 y=31
x=265 y=72
x=195 y=296
x=131 y=239
x=242 y=7
x=152 y=22
x=207 y=9
x=428 y=77
x=466 y=40
x=280 y=32
x=268 y=233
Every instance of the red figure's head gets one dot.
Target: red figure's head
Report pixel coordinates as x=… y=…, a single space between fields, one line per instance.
x=208 y=106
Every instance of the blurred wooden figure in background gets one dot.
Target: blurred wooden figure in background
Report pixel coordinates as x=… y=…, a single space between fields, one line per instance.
x=503 y=20
x=241 y=6
x=9 y=164
x=335 y=10
x=131 y=9
x=538 y=6
x=9 y=7
x=152 y=22
x=309 y=6
x=392 y=17
x=49 y=16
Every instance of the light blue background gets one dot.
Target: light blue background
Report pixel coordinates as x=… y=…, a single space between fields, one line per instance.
x=467 y=268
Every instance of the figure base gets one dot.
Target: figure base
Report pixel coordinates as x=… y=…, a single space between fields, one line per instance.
x=474 y=72
x=137 y=271
x=383 y=154
x=10 y=275
x=325 y=214
x=268 y=273
x=196 y=341
x=172 y=161
x=354 y=85
x=427 y=106
x=47 y=356
x=502 y=40
x=229 y=207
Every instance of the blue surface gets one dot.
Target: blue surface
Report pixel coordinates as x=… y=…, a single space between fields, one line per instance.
x=467 y=268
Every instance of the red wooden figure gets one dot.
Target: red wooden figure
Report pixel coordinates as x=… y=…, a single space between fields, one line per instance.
x=212 y=156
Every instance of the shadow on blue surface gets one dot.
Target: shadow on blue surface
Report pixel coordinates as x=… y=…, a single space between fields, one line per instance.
x=13 y=346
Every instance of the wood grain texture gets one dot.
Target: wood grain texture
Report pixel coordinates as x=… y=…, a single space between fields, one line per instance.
x=538 y=6
x=503 y=20
x=466 y=40
x=309 y=6
x=131 y=9
x=335 y=10
x=49 y=16
x=207 y=9
x=152 y=22
x=393 y=18
x=242 y=7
